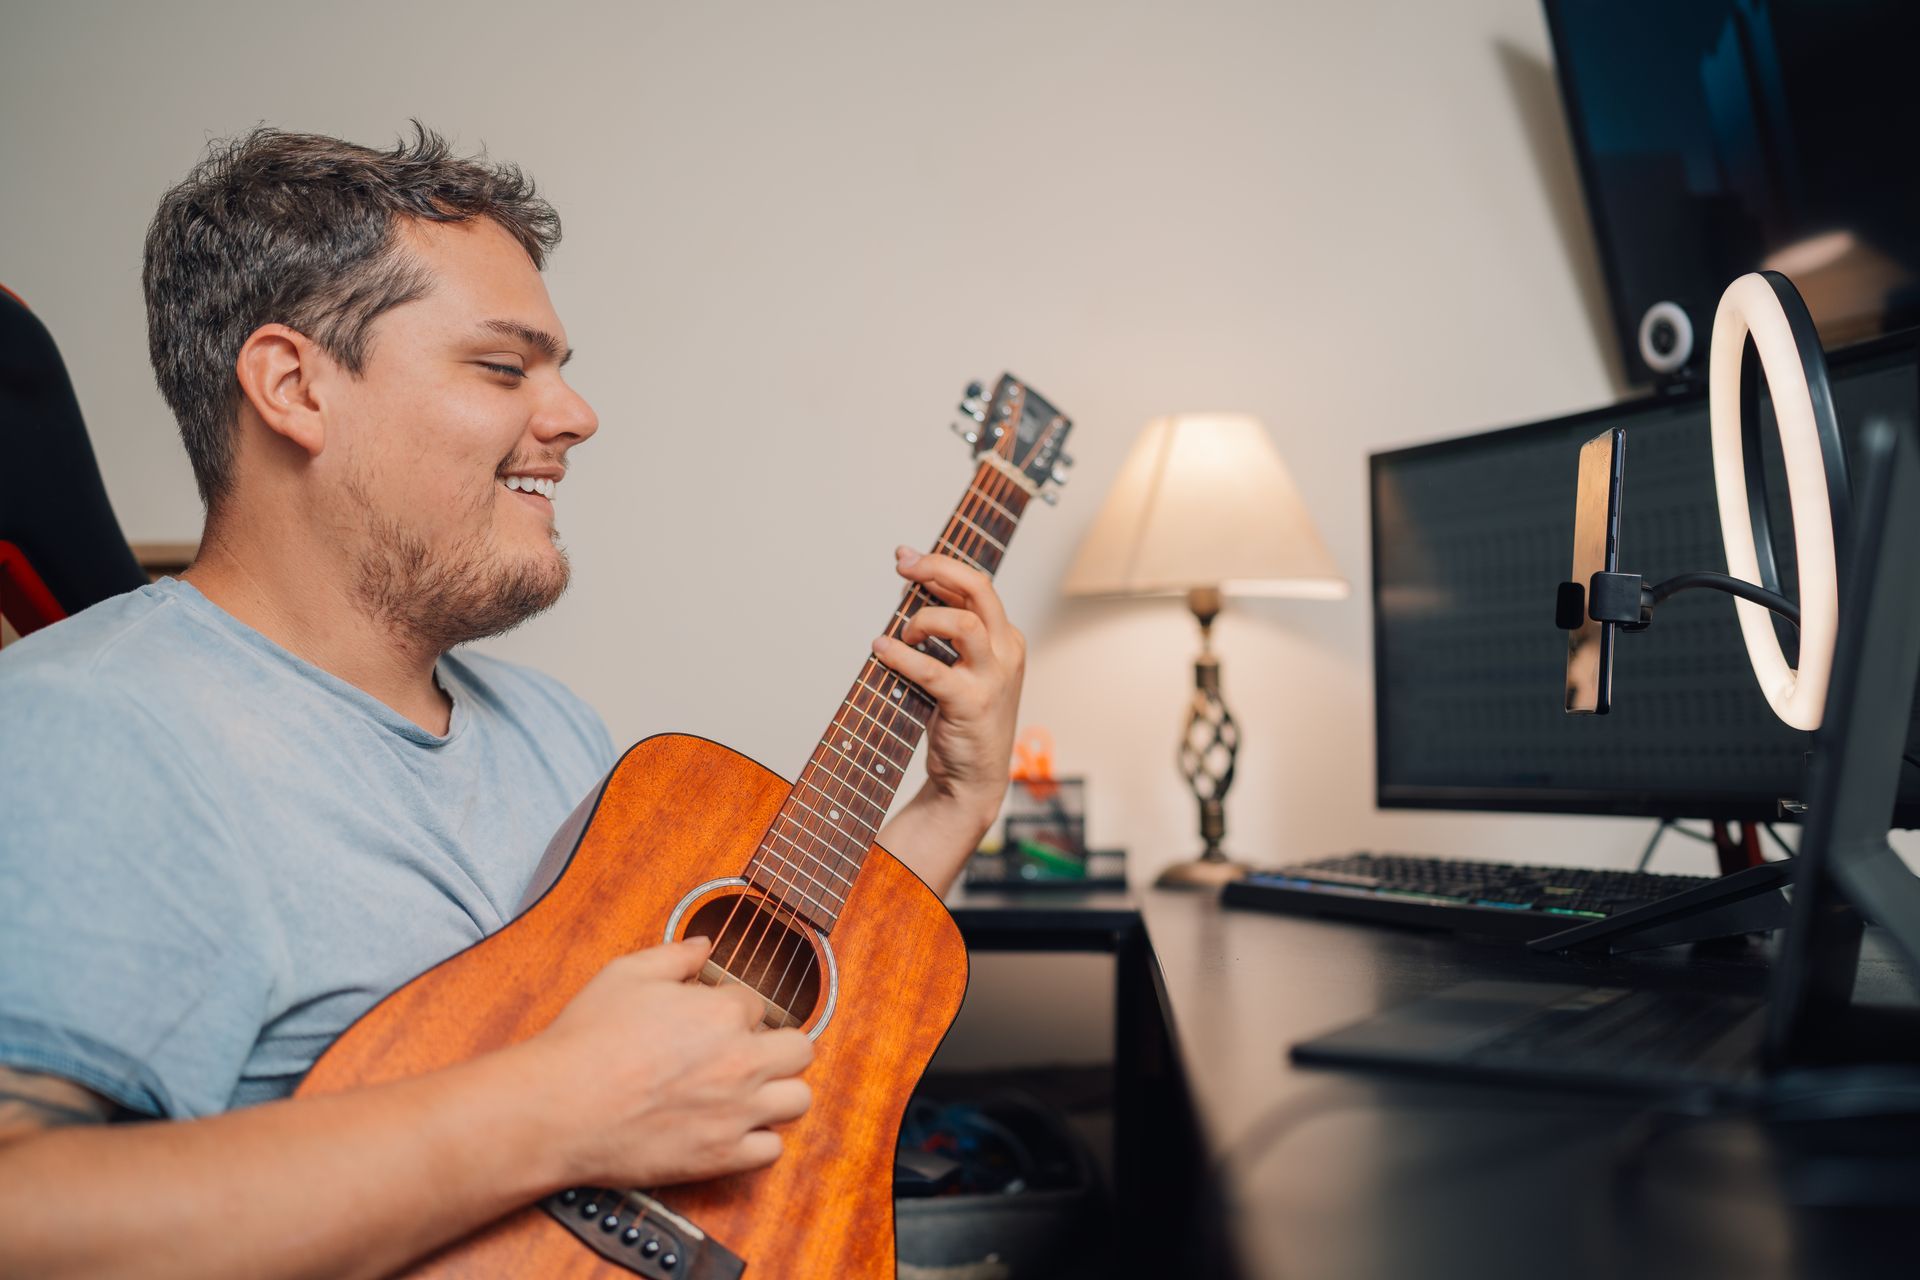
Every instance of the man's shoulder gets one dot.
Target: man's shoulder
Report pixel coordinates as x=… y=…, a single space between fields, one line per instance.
x=100 y=655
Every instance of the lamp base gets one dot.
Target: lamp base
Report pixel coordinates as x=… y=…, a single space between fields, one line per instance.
x=1201 y=873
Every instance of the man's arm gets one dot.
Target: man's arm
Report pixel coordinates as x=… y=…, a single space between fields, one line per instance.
x=970 y=740
x=643 y=1079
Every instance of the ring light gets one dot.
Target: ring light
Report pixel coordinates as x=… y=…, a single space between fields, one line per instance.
x=1765 y=307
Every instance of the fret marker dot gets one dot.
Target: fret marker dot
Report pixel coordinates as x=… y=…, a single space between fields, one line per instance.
x=847 y=742
x=896 y=691
x=879 y=768
x=834 y=814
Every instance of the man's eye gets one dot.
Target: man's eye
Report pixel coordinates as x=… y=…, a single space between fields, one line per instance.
x=513 y=371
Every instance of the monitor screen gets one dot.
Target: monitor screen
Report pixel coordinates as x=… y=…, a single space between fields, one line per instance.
x=1471 y=538
x=1717 y=137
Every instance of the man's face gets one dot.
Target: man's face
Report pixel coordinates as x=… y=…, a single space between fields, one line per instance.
x=453 y=440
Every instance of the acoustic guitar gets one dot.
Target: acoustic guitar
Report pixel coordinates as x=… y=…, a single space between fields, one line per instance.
x=688 y=838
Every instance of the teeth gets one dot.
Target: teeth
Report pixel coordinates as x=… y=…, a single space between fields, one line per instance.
x=533 y=484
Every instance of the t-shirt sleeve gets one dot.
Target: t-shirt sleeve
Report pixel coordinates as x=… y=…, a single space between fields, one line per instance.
x=132 y=960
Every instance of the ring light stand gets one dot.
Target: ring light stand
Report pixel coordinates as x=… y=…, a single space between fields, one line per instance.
x=1760 y=315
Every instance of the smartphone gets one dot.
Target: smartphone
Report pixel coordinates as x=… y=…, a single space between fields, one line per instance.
x=1596 y=547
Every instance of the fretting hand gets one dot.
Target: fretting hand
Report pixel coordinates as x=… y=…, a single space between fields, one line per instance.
x=970 y=738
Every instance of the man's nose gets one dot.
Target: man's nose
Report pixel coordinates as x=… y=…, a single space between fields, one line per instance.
x=565 y=413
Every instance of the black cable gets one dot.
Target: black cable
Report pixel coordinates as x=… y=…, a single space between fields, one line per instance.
x=1732 y=586
x=1666 y=825
x=1646 y=854
x=1784 y=846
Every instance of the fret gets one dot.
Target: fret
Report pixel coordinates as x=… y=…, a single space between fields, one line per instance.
x=998 y=545
x=826 y=841
x=855 y=763
x=912 y=702
x=1009 y=516
x=952 y=654
x=811 y=856
x=896 y=696
x=835 y=825
x=833 y=910
x=945 y=547
x=846 y=785
x=816 y=892
x=885 y=765
x=889 y=732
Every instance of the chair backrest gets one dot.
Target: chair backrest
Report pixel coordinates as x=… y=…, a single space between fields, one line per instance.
x=60 y=547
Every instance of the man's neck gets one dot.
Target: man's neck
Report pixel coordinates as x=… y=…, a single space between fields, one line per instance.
x=316 y=617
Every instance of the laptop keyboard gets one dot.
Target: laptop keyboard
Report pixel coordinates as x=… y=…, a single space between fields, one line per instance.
x=1614 y=1030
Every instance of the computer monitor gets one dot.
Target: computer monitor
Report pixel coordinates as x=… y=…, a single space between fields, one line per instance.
x=1471 y=537
x=1717 y=137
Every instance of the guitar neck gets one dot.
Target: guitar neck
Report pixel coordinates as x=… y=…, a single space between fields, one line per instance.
x=814 y=850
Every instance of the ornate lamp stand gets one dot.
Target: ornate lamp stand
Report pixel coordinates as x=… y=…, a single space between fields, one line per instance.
x=1207 y=753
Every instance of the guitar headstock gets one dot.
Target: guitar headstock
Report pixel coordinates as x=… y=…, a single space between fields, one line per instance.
x=1019 y=427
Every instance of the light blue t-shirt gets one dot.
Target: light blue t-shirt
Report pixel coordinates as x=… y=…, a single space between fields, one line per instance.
x=214 y=856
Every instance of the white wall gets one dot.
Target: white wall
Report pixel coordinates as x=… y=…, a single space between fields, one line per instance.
x=794 y=231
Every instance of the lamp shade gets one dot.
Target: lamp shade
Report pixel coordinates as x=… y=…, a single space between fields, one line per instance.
x=1204 y=500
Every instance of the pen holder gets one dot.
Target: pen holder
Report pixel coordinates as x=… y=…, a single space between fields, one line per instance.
x=1046 y=824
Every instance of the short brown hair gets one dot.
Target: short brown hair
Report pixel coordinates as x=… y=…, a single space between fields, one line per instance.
x=300 y=229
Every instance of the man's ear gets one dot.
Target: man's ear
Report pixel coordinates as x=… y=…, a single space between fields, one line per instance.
x=278 y=368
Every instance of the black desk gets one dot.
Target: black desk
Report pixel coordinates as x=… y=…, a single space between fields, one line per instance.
x=1231 y=1161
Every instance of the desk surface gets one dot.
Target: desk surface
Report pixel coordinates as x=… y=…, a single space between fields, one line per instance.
x=1314 y=1172
x=1327 y=1173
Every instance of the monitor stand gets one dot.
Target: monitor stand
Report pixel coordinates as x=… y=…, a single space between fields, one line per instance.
x=1748 y=901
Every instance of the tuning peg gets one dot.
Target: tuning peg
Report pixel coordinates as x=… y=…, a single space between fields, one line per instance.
x=974 y=391
x=1059 y=472
x=971 y=437
x=1049 y=497
x=974 y=409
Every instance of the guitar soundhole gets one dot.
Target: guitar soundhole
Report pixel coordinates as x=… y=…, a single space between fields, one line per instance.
x=758 y=944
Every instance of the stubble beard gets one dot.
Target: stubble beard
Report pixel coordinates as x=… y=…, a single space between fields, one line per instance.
x=435 y=598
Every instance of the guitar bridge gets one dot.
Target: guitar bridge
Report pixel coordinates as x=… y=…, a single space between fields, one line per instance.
x=637 y=1232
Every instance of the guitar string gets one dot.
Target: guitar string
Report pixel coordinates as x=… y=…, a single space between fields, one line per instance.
x=855 y=701
x=866 y=697
x=975 y=502
x=874 y=677
x=997 y=486
x=762 y=934
x=954 y=539
x=761 y=924
x=864 y=681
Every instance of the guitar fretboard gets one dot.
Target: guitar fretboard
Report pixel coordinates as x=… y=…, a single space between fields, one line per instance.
x=813 y=852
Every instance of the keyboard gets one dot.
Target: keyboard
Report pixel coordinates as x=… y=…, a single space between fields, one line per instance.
x=1493 y=899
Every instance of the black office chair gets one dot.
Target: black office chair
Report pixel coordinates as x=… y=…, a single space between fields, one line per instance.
x=60 y=547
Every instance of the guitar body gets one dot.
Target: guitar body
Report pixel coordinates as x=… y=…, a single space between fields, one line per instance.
x=679 y=813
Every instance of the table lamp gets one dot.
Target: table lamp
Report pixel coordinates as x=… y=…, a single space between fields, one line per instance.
x=1205 y=507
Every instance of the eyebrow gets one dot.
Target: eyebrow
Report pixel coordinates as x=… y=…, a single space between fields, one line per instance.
x=539 y=339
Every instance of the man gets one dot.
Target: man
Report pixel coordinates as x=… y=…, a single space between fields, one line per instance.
x=241 y=807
